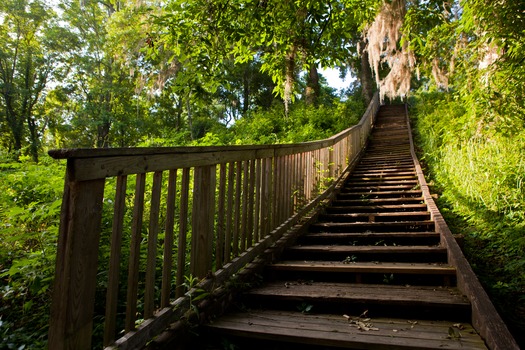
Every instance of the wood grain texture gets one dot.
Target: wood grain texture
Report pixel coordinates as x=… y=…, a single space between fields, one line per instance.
x=76 y=266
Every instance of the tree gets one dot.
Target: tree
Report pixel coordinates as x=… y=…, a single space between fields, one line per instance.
x=285 y=36
x=27 y=60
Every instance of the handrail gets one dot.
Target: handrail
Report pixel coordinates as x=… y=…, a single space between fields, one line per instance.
x=214 y=208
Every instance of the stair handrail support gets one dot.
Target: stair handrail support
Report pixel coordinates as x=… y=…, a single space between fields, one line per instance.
x=73 y=293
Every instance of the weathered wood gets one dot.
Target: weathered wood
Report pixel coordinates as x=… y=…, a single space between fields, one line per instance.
x=244 y=209
x=251 y=205
x=365 y=267
x=134 y=256
x=336 y=331
x=343 y=293
x=183 y=231
x=151 y=263
x=237 y=209
x=229 y=214
x=353 y=249
x=219 y=247
x=202 y=221
x=258 y=199
x=264 y=200
x=76 y=265
x=167 y=265
x=114 y=261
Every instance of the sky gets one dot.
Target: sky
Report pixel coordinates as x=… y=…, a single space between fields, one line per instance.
x=332 y=76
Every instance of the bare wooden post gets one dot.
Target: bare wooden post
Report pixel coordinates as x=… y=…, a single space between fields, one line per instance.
x=76 y=265
x=203 y=220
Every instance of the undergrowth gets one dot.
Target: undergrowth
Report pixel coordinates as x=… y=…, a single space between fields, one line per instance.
x=478 y=168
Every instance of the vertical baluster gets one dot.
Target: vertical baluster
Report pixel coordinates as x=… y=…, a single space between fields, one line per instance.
x=251 y=205
x=244 y=216
x=119 y=210
x=151 y=263
x=237 y=208
x=229 y=213
x=219 y=248
x=183 y=230
x=258 y=185
x=277 y=194
x=134 y=256
x=266 y=187
x=168 y=239
x=286 y=187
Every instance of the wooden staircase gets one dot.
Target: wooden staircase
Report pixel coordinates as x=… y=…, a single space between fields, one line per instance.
x=370 y=274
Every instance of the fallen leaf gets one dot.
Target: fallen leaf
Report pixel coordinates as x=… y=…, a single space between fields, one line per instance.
x=453 y=333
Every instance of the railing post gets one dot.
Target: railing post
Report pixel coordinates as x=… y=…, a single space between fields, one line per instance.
x=76 y=265
x=203 y=220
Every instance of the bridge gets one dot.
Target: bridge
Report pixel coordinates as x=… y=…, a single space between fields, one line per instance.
x=328 y=244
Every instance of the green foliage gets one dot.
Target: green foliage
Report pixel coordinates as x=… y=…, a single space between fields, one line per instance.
x=305 y=123
x=30 y=199
x=479 y=168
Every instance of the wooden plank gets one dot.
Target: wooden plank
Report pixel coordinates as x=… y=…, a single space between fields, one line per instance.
x=266 y=200
x=244 y=212
x=365 y=267
x=321 y=330
x=251 y=205
x=237 y=209
x=167 y=264
x=343 y=293
x=219 y=246
x=404 y=215
x=258 y=200
x=376 y=208
x=375 y=235
x=356 y=249
x=229 y=214
x=203 y=215
x=119 y=210
x=183 y=231
x=134 y=256
x=76 y=265
x=153 y=232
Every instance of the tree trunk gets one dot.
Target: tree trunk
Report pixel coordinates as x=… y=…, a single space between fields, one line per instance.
x=365 y=76
x=312 y=87
x=33 y=138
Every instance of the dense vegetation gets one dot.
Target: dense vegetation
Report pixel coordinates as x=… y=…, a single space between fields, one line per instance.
x=121 y=73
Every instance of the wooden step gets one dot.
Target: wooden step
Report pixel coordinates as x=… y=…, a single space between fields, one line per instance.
x=375 y=217
x=366 y=267
x=381 y=177
x=336 y=331
x=425 y=298
x=372 y=238
x=384 y=171
x=378 y=201
x=375 y=208
x=379 y=194
x=362 y=253
x=409 y=226
x=380 y=182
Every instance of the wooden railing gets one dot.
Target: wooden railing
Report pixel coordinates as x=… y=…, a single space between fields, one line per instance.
x=196 y=212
